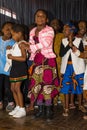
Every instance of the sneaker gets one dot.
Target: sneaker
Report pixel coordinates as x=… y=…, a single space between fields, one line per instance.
x=20 y=113
x=10 y=107
x=14 y=111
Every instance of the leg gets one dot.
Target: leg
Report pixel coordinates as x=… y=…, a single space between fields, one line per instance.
x=85 y=97
x=81 y=108
x=66 y=109
x=14 y=93
x=19 y=99
x=79 y=88
x=72 y=105
x=19 y=94
x=49 y=111
x=8 y=92
x=31 y=105
x=16 y=109
x=40 y=106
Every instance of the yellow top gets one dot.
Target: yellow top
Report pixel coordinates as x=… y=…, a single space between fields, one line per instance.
x=56 y=47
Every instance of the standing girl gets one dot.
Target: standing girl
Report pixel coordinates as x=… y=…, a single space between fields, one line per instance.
x=44 y=75
x=5 y=40
x=18 y=71
x=72 y=74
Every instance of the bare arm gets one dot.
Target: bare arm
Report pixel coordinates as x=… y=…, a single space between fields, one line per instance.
x=19 y=58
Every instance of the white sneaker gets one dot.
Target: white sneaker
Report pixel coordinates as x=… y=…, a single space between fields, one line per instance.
x=14 y=111
x=20 y=113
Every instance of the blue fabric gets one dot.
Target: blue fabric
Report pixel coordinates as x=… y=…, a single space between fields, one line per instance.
x=79 y=88
x=72 y=27
x=67 y=78
x=3 y=45
x=29 y=63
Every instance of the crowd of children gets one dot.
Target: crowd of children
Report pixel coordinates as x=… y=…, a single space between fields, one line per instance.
x=53 y=61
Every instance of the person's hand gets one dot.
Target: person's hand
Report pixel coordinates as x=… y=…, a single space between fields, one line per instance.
x=70 y=44
x=74 y=49
x=8 y=47
x=70 y=37
x=24 y=45
x=9 y=56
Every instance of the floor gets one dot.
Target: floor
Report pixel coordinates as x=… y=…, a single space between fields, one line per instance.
x=73 y=122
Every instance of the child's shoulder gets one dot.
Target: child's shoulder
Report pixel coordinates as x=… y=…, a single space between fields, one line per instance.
x=22 y=41
x=78 y=38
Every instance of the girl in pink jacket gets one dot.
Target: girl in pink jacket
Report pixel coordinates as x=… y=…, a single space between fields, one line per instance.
x=44 y=81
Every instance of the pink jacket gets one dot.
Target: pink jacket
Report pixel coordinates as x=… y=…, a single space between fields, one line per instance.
x=45 y=44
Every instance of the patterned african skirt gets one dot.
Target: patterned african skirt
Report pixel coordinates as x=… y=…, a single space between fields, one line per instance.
x=44 y=80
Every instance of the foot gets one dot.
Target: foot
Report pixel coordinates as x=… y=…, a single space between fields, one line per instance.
x=10 y=107
x=13 y=112
x=85 y=104
x=66 y=112
x=72 y=106
x=20 y=113
x=1 y=105
x=82 y=109
x=85 y=117
x=29 y=108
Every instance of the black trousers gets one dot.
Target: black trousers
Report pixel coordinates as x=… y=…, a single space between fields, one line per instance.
x=5 y=90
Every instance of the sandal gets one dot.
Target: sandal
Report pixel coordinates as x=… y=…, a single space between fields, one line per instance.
x=85 y=104
x=72 y=106
x=82 y=109
x=65 y=113
x=29 y=108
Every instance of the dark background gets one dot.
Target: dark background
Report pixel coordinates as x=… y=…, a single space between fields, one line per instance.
x=64 y=10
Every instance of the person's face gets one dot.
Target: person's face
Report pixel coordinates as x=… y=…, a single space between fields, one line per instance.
x=16 y=35
x=66 y=31
x=7 y=31
x=55 y=24
x=40 y=18
x=82 y=28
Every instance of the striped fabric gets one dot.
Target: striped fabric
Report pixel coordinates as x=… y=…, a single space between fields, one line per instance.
x=45 y=45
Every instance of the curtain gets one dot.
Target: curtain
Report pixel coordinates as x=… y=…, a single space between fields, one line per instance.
x=64 y=10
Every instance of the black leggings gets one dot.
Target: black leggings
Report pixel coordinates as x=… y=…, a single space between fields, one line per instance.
x=5 y=88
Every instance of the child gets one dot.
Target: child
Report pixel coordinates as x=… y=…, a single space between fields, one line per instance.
x=44 y=80
x=72 y=77
x=18 y=72
x=57 y=25
x=5 y=40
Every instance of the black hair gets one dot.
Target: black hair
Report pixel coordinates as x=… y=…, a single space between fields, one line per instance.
x=26 y=32
x=19 y=28
x=8 y=22
x=44 y=11
x=84 y=21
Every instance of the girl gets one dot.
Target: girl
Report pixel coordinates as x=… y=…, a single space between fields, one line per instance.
x=57 y=25
x=18 y=71
x=5 y=40
x=72 y=77
x=44 y=79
